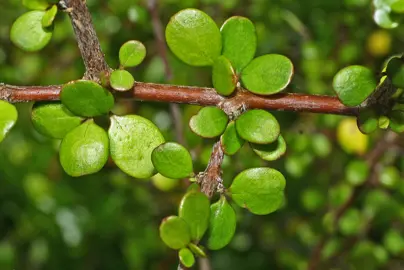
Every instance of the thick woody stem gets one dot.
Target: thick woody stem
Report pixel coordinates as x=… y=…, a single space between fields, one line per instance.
x=87 y=39
x=195 y=95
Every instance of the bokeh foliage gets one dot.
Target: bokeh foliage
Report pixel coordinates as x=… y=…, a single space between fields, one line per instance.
x=108 y=220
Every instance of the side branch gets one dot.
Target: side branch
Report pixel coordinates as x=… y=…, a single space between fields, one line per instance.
x=87 y=39
x=202 y=96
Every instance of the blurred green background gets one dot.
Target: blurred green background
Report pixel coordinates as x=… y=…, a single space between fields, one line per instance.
x=110 y=221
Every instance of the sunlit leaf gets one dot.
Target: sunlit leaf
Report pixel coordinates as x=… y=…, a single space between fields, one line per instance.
x=174 y=232
x=121 y=80
x=132 y=53
x=350 y=138
x=186 y=257
x=49 y=16
x=8 y=118
x=210 y=122
x=223 y=78
x=383 y=18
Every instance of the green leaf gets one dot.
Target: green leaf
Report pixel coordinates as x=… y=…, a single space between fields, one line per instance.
x=239 y=41
x=132 y=53
x=390 y=177
x=164 y=183
x=27 y=32
x=197 y=250
x=230 y=140
x=260 y=190
x=210 y=122
x=86 y=98
x=270 y=152
x=353 y=84
x=172 y=160
x=351 y=222
x=194 y=37
x=258 y=126
x=54 y=120
x=174 y=232
x=35 y=4
x=223 y=78
x=8 y=118
x=49 y=16
x=367 y=121
x=383 y=122
x=222 y=225
x=383 y=18
x=395 y=71
x=121 y=80
x=132 y=140
x=398 y=6
x=393 y=241
x=186 y=257
x=357 y=172
x=84 y=150
x=397 y=121
x=195 y=210
x=267 y=74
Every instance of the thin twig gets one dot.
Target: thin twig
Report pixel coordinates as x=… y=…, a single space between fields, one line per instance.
x=195 y=95
x=162 y=50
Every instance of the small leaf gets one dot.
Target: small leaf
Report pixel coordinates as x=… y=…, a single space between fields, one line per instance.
x=270 y=152
x=27 y=32
x=210 y=122
x=84 y=150
x=223 y=78
x=395 y=71
x=172 y=160
x=230 y=140
x=260 y=190
x=194 y=37
x=367 y=121
x=222 y=224
x=239 y=41
x=132 y=53
x=350 y=138
x=8 y=118
x=49 y=16
x=132 y=140
x=195 y=210
x=197 y=250
x=35 y=4
x=186 y=257
x=86 y=98
x=164 y=183
x=258 y=126
x=383 y=18
x=397 y=121
x=354 y=84
x=174 y=232
x=267 y=74
x=121 y=80
x=357 y=172
x=54 y=120
x=383 y=122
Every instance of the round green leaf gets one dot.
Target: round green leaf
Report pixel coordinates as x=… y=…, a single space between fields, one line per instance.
x=230 y=140
x=258 y=126
x=35 y=4
x=395 y=71
x=357 y=172
x=86 y=98
x=54 y=120
x=397 y=121
x=390 y=177
x=27 y=32
x=222 y=225
x=239 y=41
x=195 y=210
x=383 y=122
x=223 y=78
x=354 y=84
x=272 y=151
x=132 y=53
x=132 y=140
x=49 y=16
x=367 y=121
x=84 y=150
x=351 y=222
x=267 y=74
x=174 y=232
x=260 y=190
x=194 y=37
x=186 y=257
x=121 y=80
x=383 y=18
x=8 y=118
x=210 y=122
x=172 y=160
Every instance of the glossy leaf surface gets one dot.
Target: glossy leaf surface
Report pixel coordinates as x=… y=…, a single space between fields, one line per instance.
x=230 y=140
x=174 y=232
x=210 y=122
x=132 y=53
x=121 y=80
x=223 y=78
x=8 y=118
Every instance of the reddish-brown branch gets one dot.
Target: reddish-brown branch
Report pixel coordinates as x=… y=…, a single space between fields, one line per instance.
x=195 y=95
